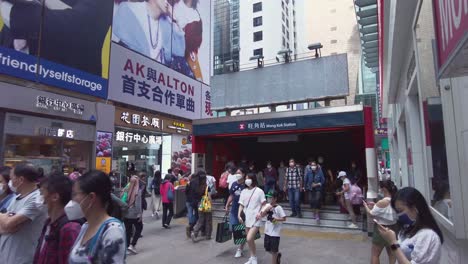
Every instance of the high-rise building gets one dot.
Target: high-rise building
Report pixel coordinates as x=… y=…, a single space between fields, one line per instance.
x=266 y=28
x=225 y=36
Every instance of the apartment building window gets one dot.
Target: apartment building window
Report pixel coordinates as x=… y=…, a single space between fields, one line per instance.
x=284 y=29
x=258 y=36
x=333 y=11
x=258 y=52
x=257 y=7
x=257 y=21
x=282 y=4
x=288 y=45
x=287 y=22
x=284 y=42
x=287 y=11
x=287 y=34
x=333 y=28
x=333 y=41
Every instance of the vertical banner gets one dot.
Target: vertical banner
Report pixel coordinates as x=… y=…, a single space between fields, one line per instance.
x=181 y=153
x=104 y=151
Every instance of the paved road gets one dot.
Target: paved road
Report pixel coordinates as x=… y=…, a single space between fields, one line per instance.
x=163 y=246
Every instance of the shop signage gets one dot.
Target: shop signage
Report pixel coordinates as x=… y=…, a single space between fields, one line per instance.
x=150 y=122
x=269 y=124
x=59 y=105
x=56 y=132
x=451 y=22
x=381 y=132
x=131 y=137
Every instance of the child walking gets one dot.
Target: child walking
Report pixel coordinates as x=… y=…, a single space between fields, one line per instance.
x=275 y=218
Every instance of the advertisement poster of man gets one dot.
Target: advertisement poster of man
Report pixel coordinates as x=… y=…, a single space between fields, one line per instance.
x=74 y=48
x=167 y=31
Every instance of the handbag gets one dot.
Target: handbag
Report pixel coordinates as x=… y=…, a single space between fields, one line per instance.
x=205 y=203
x=170 y=194
x=240 y=235
x=242 y=213
x=223 y=233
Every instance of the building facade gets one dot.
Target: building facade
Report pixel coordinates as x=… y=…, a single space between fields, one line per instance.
x=424 y=88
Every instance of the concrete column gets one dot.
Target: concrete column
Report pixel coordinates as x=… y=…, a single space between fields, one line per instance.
x=371 y=158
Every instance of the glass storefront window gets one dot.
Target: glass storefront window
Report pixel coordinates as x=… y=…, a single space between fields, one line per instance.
x=51 y=154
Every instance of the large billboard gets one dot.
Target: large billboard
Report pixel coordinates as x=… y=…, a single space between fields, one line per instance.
x=58 y=43
x=175 y=33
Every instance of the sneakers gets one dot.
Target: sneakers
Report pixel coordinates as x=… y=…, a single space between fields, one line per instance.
x=252 y=260
x=238 y=253
x=352 y=225
x=188 y=231
x=194 y=237
x=278 y=258
x=132 y=249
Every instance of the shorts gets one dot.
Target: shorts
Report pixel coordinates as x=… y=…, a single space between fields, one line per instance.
x=378 y=240
x=271 y=244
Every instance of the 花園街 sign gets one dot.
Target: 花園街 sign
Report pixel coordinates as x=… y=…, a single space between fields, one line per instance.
x=140 y=81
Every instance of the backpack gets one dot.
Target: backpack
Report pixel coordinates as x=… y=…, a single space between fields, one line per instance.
x=223 y=180
x=355 y=194
x=55 y=236
x=170 y=193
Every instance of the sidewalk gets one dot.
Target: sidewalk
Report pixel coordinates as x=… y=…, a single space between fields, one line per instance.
x=170 y=246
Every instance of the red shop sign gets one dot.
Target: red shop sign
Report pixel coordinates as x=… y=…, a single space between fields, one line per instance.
x=451 y=23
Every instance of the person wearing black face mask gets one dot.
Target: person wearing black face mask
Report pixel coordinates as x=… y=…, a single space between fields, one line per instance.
x=420 y=240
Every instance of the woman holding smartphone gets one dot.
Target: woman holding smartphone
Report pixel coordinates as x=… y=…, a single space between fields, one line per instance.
x=384 y=214
x=420 y=239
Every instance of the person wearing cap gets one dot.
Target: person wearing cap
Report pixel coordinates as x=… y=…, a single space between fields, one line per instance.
x=275 y=218
x=346 y=189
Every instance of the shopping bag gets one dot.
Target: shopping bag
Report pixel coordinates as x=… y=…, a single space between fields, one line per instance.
x=240 y=235
x=223 y=234
x=205 y=203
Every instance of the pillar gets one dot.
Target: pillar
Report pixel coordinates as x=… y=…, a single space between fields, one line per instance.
x=371 y=158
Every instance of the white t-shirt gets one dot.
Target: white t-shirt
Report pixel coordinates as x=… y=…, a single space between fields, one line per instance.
x=252 y=208
x=274 y=229
x=231 y=179
x=19 y=247
x=347 y=194
x=423 y=248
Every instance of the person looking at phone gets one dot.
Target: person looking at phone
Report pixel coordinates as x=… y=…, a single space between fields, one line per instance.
x=385 y=215
x=420 y=239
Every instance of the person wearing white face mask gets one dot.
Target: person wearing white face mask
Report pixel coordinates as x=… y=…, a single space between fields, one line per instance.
x=58 y=233
x=6 y=195
x=102 y=238
x=234 y=196
x=251 y=201
x=21 y=225
x=271 y=177
x=314 y=183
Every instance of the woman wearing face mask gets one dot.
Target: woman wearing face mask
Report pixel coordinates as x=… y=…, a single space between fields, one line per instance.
x=385 y=215
x=102 y=238
x=420 y=239
x=5 y=193
x=234 y=196
x=251 y=201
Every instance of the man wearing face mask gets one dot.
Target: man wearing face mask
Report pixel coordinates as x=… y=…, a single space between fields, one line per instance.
x=21 y=225
x=314 y=182
x=58 y=234
x=294 y=185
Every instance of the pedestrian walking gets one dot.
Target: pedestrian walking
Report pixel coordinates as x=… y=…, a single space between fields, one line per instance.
x=205 y=216
x=6 y=195
x=293 y=186
x=133 y=218
x=275 y=218
x=102 y=238
x=420 y=239
x=345 y=195
x=59 y=233
x=21 y=225
x=251 y=201
x=259 y=174
x=167 y=198
x=193 y=197
x=314 y=184
x=386 y=216
x=271 y=177
x=235 y=193
x=155 y=203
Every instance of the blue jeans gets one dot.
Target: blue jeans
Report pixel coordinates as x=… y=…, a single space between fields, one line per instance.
x=233 y=220
x=294 y=195
x=192 y=213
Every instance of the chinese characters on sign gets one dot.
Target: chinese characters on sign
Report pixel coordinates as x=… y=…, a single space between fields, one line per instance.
x=130 y=137
x=141 y=120
x=208 y=110
x=267 y=125
x=381 y=132
x=45 y=102
x=56 y=132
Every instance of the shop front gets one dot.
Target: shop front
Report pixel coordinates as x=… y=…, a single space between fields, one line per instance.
x=145 y=141
x=54 y=132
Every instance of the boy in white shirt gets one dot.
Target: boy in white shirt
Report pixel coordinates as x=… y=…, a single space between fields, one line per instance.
x=275 y=218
